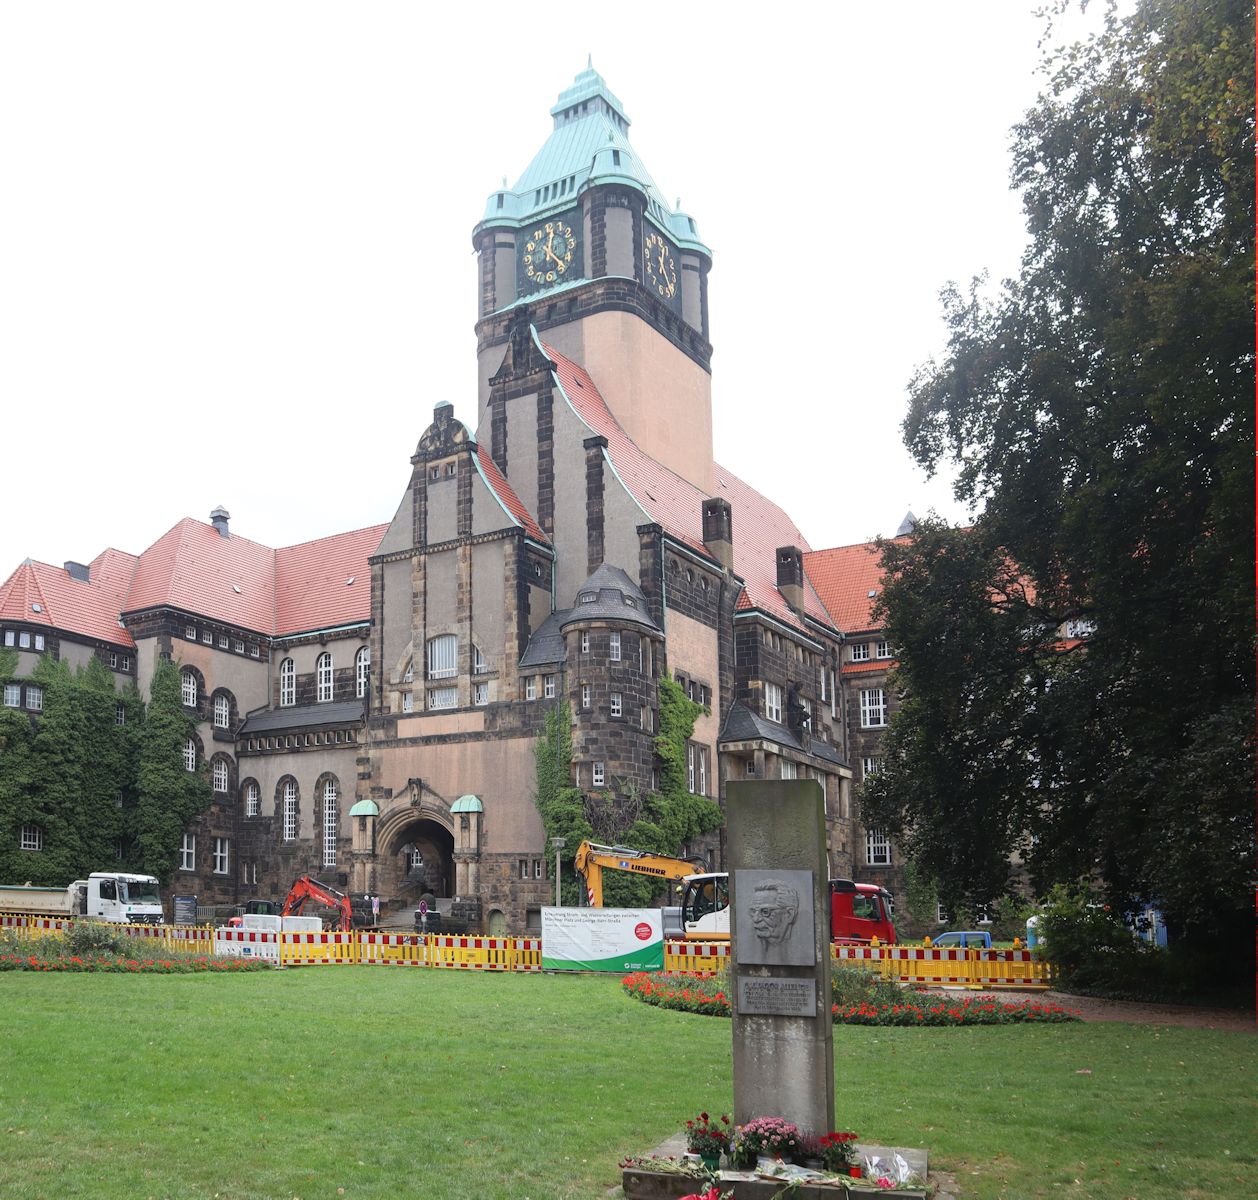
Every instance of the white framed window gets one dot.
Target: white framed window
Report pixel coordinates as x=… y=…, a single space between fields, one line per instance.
x=207 y=637
x=882 y=649
x=188 y=852
x=222 y=712
x=238 y=646
x=790 y=769
x=253 y=799
x=480 y=664
x=288 y=683
x=189 y=755
x=34 y=698
x=773 y=702
x=585 y=641
x=530 y=688
x=254 y=652
x=941 y=915
x=31 y=838
x=289 y=809
x=807 y=707
x=362 y=671
x=443 y=656
x=597 y=775
x=1080 y=628
x=824 y=697
x=586 y=695
x=120 y=713
x=834 y=696
x=124 y=663
x=703 y=770
x=444 y=697
x=220 y=775
x=113 y=658
x=408 y=702
x=323 y=678
x=983 y=916
x=860 y=651
x=548 y=687
x=613 y=649
x=524 y=868
x=690 y=767
x=877 y=849
x=13 y=695
x=222 y=641
x=538 y=873
x=188 y=689
x=222 y=856
x=480 y=693
x=408 y=676
x=617 y=705
x=190 y=632
x=331 y=821
x=10 y=637
x=873 y=708
x=870 y=766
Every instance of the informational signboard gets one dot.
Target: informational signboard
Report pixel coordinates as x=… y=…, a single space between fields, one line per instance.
x=602 y=939
x=185 y=910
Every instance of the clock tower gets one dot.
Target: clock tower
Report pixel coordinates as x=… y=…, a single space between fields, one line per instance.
x=612 y=277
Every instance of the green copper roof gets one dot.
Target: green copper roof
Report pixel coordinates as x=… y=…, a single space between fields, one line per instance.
x=589 y=144
x=467 y=803
x=365 y=808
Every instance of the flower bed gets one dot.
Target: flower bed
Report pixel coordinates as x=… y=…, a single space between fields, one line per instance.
x=704 y=995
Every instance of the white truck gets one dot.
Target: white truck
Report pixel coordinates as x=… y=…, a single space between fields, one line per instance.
x=120 y=897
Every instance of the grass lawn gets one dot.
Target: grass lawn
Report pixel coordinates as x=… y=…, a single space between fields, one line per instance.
x=369 y=1082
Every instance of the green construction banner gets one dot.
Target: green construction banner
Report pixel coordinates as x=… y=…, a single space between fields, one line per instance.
x=602 y=939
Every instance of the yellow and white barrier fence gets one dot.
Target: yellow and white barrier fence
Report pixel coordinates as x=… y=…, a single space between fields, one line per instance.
x=923 y=965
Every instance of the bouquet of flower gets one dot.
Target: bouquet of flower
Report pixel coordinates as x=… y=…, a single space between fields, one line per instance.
x=707 y=1137
x=836 y=1150
x=765 y=1135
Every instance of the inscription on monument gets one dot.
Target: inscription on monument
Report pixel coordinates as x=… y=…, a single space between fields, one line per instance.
x=777 y=997
x=775 y=918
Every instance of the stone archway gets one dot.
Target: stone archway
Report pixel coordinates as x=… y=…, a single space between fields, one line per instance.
x=415 y=855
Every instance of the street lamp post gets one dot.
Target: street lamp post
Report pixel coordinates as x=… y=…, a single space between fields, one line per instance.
x=558 y=843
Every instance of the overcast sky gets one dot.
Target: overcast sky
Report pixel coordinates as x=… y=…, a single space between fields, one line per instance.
x=235 y=239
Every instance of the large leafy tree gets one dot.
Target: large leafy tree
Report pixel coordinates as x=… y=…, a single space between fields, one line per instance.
x=1100 y=414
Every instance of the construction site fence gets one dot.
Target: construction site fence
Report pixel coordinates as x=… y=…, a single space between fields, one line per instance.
x=922 y=965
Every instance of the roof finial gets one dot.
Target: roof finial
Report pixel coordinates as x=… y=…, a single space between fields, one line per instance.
x=589 y=62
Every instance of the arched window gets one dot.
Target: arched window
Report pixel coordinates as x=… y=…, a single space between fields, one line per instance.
x=222 y=711
x=362 y=671
x=190 y=755
x=188 y=689
x=253 y=799
x=331 y=822
x=323 y=677
x=288 y=809
x=288 y=683
x=220 y=775
x=443 y=656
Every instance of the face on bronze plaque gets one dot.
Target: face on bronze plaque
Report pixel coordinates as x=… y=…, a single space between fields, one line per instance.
x=774 y=918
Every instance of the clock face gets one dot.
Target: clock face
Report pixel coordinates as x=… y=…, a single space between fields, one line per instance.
x=549 y=252
x=659 y=266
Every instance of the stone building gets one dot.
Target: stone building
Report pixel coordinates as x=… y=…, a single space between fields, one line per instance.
x=369 y=703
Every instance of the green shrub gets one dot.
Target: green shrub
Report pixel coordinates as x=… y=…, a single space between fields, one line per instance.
x=856 y=985
x=93 y=937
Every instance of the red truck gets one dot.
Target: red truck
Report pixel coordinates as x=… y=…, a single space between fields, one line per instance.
x=859 y=912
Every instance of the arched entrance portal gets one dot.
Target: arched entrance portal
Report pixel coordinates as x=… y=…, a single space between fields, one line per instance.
x=417 y=857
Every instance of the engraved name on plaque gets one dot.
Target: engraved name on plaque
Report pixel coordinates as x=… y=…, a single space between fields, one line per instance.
x=759 y=996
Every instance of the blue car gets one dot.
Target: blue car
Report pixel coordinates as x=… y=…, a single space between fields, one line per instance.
x=965 y=939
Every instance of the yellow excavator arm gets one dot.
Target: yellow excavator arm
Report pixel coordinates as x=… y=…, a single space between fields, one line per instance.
x=592 y=860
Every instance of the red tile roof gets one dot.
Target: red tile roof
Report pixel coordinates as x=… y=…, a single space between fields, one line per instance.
x=194 y=568
x=86 y=609
x=844 y=576
x=760 y=526
x=312 y=581
x=498 y=484
x=239 y=582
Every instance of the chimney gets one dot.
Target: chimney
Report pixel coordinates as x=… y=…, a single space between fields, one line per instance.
x=79 y=571
x=219 y=518
x=790 y=562
x=718 y=531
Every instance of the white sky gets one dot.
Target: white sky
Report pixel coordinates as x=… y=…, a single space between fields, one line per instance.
x=235 y=239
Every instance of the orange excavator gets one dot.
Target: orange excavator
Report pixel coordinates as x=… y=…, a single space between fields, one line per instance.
x=309 y=888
